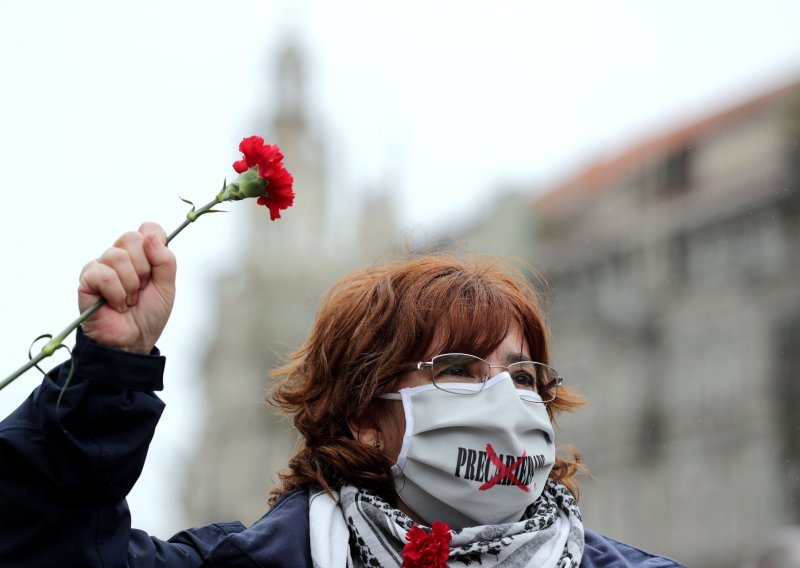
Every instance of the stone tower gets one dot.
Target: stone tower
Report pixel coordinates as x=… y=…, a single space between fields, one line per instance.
x=265 y=308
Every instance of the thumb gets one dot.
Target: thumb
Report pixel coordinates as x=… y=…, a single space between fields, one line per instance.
x=163 y=265
x=162 y=262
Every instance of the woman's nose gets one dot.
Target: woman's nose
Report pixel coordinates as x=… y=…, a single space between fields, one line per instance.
x=496 y=370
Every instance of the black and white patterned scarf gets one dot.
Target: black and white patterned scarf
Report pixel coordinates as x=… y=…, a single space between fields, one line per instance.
x=550 y=533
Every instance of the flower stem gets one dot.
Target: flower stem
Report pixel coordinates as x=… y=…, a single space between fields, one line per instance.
x=31 y=363
x=54 y=344
x=192 y=216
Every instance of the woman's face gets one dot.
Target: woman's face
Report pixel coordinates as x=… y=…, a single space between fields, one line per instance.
x=392 y=425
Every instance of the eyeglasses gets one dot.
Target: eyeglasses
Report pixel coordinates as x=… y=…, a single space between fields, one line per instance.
x=451 y=369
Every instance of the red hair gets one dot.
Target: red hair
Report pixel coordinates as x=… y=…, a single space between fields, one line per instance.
x=369 y=326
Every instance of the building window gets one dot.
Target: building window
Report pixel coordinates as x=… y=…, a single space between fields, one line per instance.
x=786 y=391
x=675 y=175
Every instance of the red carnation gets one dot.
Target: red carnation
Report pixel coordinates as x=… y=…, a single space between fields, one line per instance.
x=261 y=175
x=427 y=549
x=269 y=159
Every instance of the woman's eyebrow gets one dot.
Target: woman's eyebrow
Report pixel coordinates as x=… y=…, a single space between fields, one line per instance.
x=515 y=357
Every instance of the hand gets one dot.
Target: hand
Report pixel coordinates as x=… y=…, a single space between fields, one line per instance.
x=137 y=279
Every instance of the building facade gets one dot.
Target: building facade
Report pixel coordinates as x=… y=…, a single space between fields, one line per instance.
x=674 y=298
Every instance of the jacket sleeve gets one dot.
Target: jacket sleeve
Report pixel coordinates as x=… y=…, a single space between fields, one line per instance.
x=66 y=468
x=601 y=551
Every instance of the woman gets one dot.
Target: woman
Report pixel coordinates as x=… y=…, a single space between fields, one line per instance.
x=423 y=397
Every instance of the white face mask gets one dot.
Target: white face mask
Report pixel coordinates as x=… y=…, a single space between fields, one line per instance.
x=472 y=459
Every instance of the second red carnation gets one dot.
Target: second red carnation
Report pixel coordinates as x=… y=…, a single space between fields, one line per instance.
x=427 y=549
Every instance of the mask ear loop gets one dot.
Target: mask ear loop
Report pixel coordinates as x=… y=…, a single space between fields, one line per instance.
x=390 y=396
x=394 y=396
x=403 y=482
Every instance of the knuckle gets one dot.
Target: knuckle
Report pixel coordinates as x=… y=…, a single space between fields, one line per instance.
x=93 y=270
x=116 y=255
x=107 y=278
x=87 y=269
x=129 y=238
x=152 y=228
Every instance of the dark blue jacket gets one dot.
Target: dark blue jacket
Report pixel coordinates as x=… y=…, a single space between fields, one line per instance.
x=65 y=472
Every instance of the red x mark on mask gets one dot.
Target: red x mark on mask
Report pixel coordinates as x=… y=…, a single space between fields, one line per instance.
x=503 y=471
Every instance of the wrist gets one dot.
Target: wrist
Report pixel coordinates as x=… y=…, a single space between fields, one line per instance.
x=85 y=333
x=114 y=366
x=140 y=349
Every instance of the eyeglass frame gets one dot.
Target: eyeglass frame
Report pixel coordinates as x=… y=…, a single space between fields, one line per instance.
x=419 y=365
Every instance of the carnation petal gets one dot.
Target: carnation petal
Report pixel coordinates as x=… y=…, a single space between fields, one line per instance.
x=251 y=148
x=269 y=159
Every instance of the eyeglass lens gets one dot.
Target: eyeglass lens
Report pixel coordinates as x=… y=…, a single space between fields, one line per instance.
x=459 y=368
x=463 y=368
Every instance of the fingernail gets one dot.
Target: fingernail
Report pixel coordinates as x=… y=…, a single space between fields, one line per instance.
x=133 y=299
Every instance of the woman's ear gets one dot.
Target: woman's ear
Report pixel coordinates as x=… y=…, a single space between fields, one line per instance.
x=365 y=431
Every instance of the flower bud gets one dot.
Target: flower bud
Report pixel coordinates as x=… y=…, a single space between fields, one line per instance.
x=248 y=184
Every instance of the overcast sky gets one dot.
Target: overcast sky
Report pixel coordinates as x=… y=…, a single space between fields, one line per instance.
x=110 y=110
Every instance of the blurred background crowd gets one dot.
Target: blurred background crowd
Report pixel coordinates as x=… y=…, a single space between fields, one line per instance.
x=643 y=159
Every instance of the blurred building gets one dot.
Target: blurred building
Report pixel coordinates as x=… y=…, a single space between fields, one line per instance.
x=674 y=272
x=674 y=298
x=266 y=306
